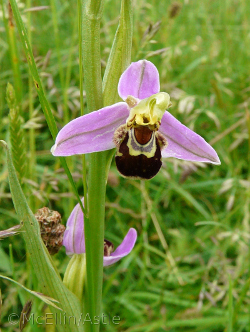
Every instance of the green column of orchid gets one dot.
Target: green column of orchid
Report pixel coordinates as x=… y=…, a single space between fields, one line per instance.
x=94 y=220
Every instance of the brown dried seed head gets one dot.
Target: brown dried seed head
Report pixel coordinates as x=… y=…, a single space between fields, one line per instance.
x=47 y=217
x=51 y=229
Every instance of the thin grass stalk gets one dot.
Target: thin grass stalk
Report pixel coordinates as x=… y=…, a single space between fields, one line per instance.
x=32 y=144
x=32 y=199
x=80 y=42
x=69 y=64
x=13 y=50
x=65 y=94
x=57 y=39
x=94 y=225
x=12 y=263
x=39 y=88
x=59 y=58
x=239 y=304
x=230 y=306
x=246 y=220
x=1 y=103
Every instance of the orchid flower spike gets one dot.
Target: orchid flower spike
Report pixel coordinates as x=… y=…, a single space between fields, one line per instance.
x=74 y=241
x=140 y=128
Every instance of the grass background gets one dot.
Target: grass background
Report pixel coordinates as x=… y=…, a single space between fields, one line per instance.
x=189 y=270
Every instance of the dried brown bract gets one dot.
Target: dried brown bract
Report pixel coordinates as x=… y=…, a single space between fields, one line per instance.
x=25 y=315
x=10 y=231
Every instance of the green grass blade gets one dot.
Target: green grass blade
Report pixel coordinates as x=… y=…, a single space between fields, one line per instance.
x=240 y=301
x=44 y=298
x=230 y=306
x=190 y=199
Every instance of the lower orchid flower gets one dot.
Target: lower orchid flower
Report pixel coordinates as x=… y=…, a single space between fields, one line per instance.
x=140 y=128
x=74 y=241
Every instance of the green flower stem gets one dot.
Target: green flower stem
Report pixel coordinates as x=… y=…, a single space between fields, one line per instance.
x=100 y=162
x=94 y=223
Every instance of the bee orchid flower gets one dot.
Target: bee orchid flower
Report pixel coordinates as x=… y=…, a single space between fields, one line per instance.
x=74 y=241
x=140 y=127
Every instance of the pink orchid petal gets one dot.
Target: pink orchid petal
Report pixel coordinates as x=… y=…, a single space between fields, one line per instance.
x=92 y=132
x=123 y=250
x=73 y=238
x=140 y=80
x=185 y=144
x=74 y=241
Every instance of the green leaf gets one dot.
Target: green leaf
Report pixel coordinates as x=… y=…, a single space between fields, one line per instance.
x=47 y=275
x=120 y=55
x=5 y=261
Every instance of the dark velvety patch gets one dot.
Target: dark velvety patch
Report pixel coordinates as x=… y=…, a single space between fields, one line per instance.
x=139 y=167
x=143 y=134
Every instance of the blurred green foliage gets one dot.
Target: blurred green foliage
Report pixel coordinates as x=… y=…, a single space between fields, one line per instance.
x=192 y=219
